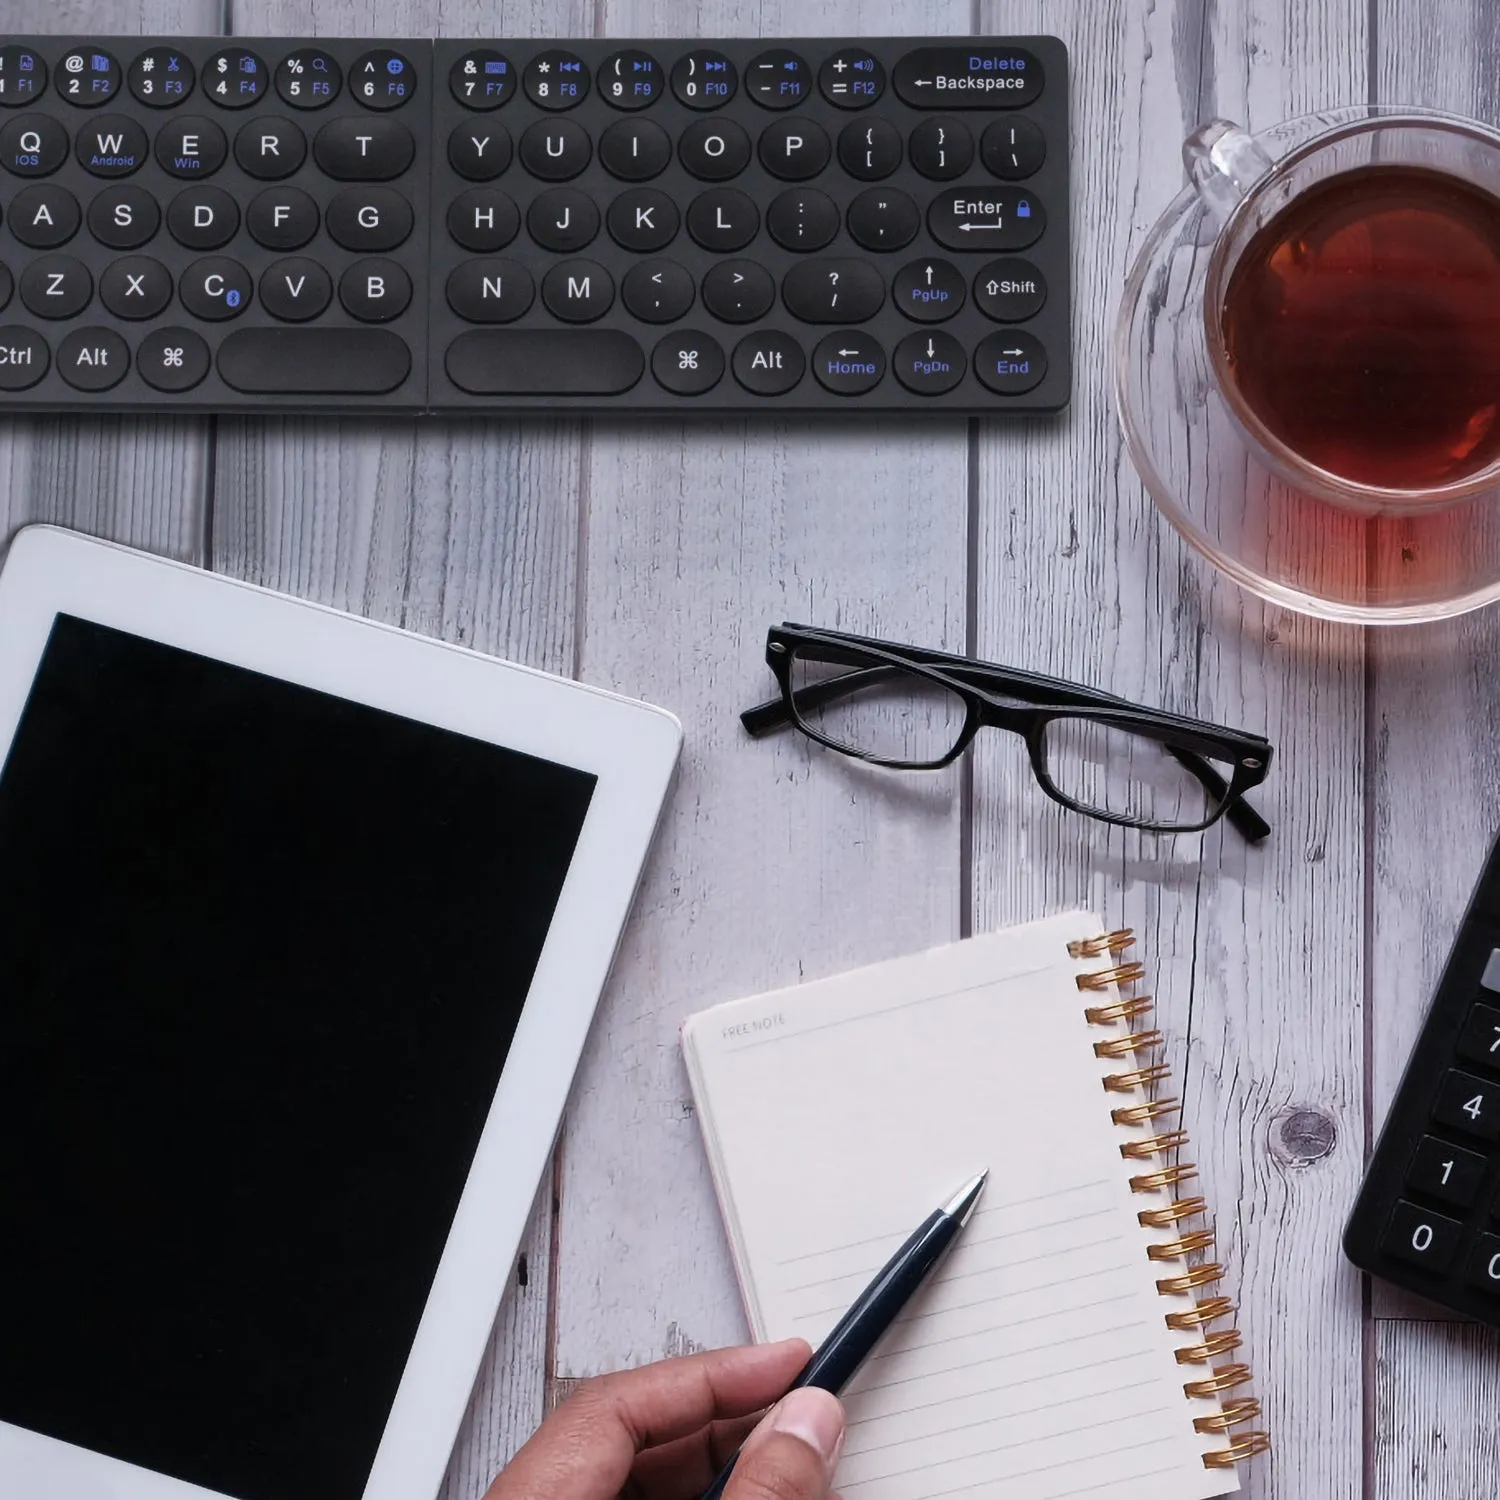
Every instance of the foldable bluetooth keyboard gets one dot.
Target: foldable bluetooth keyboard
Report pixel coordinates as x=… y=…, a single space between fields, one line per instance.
x=226 y=223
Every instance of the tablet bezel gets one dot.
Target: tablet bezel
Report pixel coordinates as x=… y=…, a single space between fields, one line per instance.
x=630 y=747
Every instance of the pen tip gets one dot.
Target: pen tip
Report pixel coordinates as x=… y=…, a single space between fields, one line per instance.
x=961 y=1205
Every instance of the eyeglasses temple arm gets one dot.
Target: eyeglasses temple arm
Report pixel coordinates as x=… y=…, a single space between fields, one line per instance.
x=774 y=714
x=1245 y=819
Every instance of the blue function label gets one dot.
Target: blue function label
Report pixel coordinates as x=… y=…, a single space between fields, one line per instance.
x=972 y=77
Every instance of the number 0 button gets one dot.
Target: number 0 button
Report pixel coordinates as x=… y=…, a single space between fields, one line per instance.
x=1421 y=1238
x=1484 y=1268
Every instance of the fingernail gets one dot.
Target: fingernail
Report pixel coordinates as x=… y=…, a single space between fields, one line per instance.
x=817 y=1418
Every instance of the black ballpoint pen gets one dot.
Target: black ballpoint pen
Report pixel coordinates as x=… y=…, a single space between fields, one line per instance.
x=878 y=1306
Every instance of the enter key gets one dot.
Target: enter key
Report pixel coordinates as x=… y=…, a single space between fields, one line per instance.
x=986 y=218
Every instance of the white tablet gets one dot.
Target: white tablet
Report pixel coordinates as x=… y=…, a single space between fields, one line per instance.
x=302 y=923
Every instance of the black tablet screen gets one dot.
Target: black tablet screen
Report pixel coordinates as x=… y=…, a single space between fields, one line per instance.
x=262 y=952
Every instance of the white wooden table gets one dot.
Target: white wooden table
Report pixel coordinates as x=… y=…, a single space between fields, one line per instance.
x=650 y=557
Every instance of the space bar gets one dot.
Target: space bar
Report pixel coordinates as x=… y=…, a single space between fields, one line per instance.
x=314 y=361
x=544 y=362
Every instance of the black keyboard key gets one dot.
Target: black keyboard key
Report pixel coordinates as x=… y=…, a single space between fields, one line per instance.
x=161 y=77
x=1422 y=1238
x=1447 y=1173
x=555 y=150
x=849 y=363
x=234 y=77
x=704 y=79
x=556 y=79
x=972 y=76
x=883 y=219
x=1484 y=1265
x=93 y=359
x=1490 y=979
x=1010 y=291
x=578 y=291
x=308 y=78
x=635 y=150
x=643 y=220
x=714 y=150
x=44 y=216
x=869 y=149
x=23 y=75
x=295 y=289
x=33 y=146
x=482 y=79
x=941 y=149
x=215 y=288
x=111 y=146
x=1480 y=1041
x=364 y=148
x=723 y=219
x=203 y=218
x=795 y=149
x=768 y=363
x=483 y=220
x=24 y=358
x=172 y=359
x=135 y=287
x=375 y=291
x=56 y=286
x=1465 y=1103
x=778 y=79
x=929 y=363
x=314 y=361
x=739 y=291
x=270 y=148
x=657 y=291
x=88 y=76
x=480 y=152
x=803 y=219
x=382 y=79
x=7 y=285
x=930 y=290
x=283 y=218
x=1013 y=148
x=1012 y=362
x=563 y=219
x=688 y=363
x=630 y=80
x=852 y=78
x=833 y=291
x=369 y=218
x=986 y=218
x=490 y=291
x=544 y=362
x=192 y=146
x=123 y=217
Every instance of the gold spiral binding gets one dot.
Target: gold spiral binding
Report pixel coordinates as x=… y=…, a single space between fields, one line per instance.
x=1107 y=942
x=1124 y=1046
x=1118 y=1010
x=1156 y=1182
x=1104 y=979
x=1205 y=1275
x=1248 y=1445
x=1225 y=1378
x=1211 y=1348
x=1183 y=1246
x=1141 y=1114
x=1201 y=1314
x=1154 y=1145
x=1164 y=1218
x=1233 y=1413
x=1128 y=1083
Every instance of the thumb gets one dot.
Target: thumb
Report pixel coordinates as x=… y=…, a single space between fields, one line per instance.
x=793 y=1453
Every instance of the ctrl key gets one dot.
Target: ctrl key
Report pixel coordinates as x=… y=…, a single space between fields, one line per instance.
x=24 y=358
x=1421 y=1238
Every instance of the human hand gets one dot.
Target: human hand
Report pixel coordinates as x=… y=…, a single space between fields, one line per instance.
x=664 y=1431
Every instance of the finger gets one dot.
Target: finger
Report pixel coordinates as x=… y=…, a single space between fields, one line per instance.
x=586 y=1447
x=793 y=1453
x=685 y=1468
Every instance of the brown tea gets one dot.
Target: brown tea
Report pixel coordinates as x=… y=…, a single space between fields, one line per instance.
x=1362 y=326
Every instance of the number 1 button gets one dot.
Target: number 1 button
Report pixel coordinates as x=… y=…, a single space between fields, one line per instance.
x=1424 y=1239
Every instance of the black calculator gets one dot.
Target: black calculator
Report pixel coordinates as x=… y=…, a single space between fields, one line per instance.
x=1428 y=1215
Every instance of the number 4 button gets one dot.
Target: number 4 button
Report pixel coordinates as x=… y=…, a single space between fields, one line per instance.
x=1469 y=1104
x=1480 y=1042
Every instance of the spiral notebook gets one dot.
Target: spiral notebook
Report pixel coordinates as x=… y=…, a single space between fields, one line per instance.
x=1074 y=1343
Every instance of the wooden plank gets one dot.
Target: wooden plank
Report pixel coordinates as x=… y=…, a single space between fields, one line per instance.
x=465 y=530
x=1257 y=952
x=774 y=863
x=141 y=480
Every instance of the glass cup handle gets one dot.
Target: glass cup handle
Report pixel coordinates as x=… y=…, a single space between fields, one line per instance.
x=1223 y=163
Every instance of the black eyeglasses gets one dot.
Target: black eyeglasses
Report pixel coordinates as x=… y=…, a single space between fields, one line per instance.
x=1103 y=756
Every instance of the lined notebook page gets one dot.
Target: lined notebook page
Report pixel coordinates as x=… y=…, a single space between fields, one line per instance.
x=1036 y=1364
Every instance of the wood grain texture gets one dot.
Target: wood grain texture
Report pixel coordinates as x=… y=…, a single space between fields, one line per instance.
x=1257 y=952
x=141 y=480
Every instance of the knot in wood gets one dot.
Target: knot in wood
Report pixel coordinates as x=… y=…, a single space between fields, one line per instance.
x=1301 y=1135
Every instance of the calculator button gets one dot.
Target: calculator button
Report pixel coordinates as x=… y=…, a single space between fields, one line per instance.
x=714 y=150
x=479 y=152
x=803 y=219
x=490 y=291
x=314 y=361
x=161 y=77
x=723 y=219
x=172 y=359
x=309 y=78
x=192 y=146
x=121 y=217
x=555 y=150
x=375 y=291
x=482 y=79
x=110 y=146
x=852 y=78
x=1445 y=1172
x=1013 y=149
x=635 y=150
x=777 y=79
x=203 y=218
x=563 y=219
x=364 y=150
x=135 y=287
x=971 y=77
x=24 y=358
x=56 y=286
x=544 y=362
x=32 y=146
x=848 y=363
x=986 y=218
x=941 y=149
x=282 y=218
x=794 y=150
x=704 y=79
x=643 y=220
x=483 y=219
x=1484 y=1265
x=833 y=291
x=23 y=75
x=382 y=79
x=929 y=363
x=270 y=148
x=1010 y=291
x=1470 y=1105
x=688 y=363
x=215 y=288
x=1480 y=1042
x=929 y=290
x=768 y=363
x=1490 y=979
x=88 y=77
x=1421 y=1238
x=659 y=291
x=556 y=79
x=630 y=80
x=234 y=78
x=883 y=219
x=869 y=149
x=93 y=359
x=44 y=216
x=295 y=289
x=368 y=218
x=739 y=291
x=578 y=291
